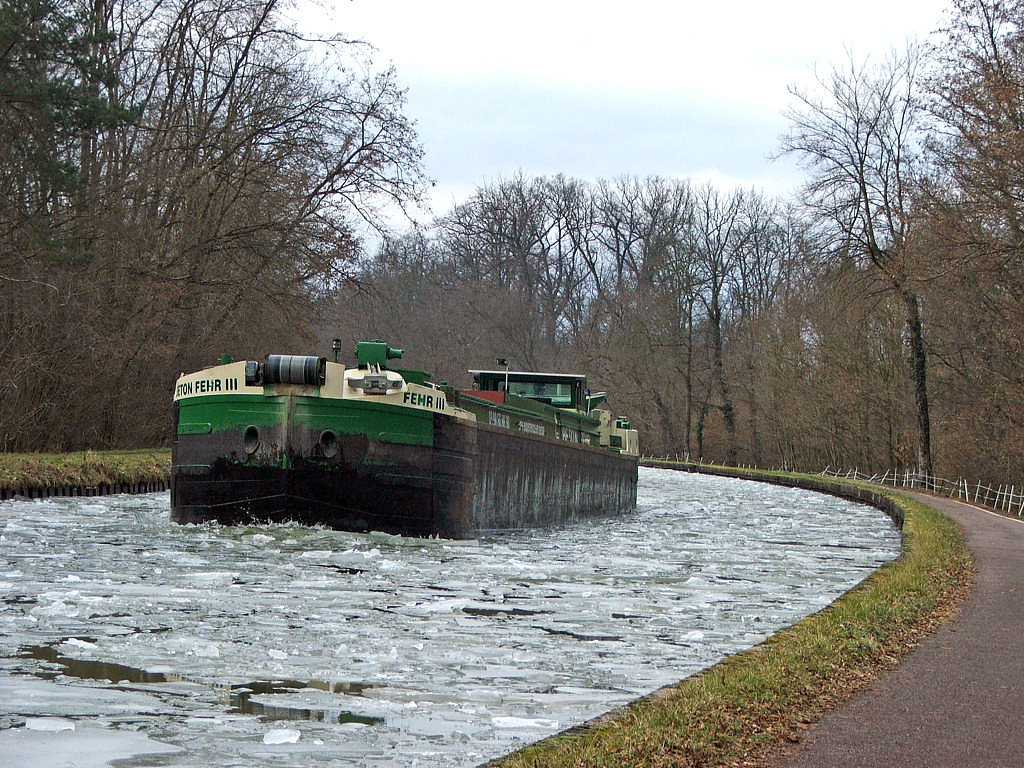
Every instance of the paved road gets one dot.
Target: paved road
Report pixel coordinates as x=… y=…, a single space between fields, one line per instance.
x=958 y=699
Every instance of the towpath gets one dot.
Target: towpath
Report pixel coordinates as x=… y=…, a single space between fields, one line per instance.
x=958 y=699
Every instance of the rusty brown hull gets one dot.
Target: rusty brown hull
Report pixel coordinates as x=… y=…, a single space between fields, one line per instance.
x=472 y=478
x=527 y=481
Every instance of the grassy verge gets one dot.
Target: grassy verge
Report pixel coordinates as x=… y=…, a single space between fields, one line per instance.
x=21 y=471
x=736 y=712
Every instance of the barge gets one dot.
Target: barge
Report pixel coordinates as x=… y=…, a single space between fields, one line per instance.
x=376 y=447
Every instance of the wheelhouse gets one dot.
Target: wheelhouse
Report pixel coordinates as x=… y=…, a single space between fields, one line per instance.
x=562 y=390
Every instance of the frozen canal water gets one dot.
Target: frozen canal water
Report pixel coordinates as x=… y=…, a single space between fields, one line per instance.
x=126 y=637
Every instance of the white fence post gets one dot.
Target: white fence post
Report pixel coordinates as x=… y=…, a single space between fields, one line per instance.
x=1002 y=497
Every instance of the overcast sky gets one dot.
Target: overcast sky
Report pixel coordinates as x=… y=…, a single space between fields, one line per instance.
x=595 y=89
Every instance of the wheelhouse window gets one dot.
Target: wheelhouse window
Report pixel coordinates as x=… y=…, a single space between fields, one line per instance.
x=559 y=390
x=554 y=393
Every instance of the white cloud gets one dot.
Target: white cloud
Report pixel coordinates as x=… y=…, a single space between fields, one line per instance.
x=727 y=49
x=602 y=89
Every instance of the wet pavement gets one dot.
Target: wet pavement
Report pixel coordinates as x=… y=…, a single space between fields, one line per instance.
x=957 y=699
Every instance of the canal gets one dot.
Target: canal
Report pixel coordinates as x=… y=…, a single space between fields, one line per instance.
x=124 y=637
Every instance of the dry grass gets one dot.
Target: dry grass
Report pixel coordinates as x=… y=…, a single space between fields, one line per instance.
x=21 y=471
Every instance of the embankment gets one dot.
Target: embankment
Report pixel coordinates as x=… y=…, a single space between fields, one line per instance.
x=86 y=473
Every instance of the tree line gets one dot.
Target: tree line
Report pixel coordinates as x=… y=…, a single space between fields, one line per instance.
x=186 y=177
x=874 y=321
x=179 y=178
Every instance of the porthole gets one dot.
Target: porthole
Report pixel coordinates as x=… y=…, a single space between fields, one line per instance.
x=329 y=444
x=251 y=440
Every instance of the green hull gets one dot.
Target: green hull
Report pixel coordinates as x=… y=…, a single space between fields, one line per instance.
x=382 y=467
x=371 y=448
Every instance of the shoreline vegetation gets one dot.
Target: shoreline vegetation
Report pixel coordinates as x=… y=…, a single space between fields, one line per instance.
x=31 y=473
x=736 y=713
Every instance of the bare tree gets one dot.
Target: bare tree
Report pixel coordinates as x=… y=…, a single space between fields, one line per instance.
x=976 y=90
x=858 y=139
x=767 y=266
x=219 y=191
x=648 y=301
x=523 y=243
x=720 y=235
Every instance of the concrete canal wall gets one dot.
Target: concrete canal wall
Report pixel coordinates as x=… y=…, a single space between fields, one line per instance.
x=83 y=473
x=100 y=489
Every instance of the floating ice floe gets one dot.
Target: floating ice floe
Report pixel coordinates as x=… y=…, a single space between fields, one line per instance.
x=56 y=608
x=524 y=722
x=49 y=724
x=74 y=642
x=282 y=736
x=87 y=747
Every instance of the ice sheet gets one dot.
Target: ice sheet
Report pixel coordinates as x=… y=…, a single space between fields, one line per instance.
x=84 y=747
x=378 y=650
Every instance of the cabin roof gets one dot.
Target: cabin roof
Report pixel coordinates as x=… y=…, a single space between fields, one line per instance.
x=532 y=375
